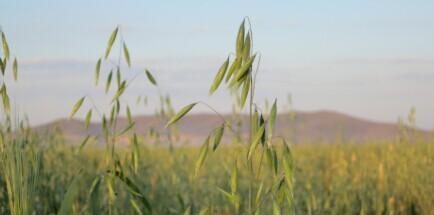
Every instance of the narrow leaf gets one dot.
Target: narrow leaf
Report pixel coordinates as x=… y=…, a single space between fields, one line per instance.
x=245 y=91
x=5 y=46
x=2 y=66
x=219 y=76
x=131 y=125
x=246 y=47
x=262 y=123
x=108 y=82
x=245 y=68
x=150 y=78
x=272 y=158
x=110 y=42
x=204 y=211
x=255 y=121
x=187 y=211
x=93 y=197
x=118 y=76
x=256 y=139
x=240 y=40
x=136 y=206
x=70 y=196
x=233 y=198
x=218 y=136
x=180 y=114
x=5 y=99
x=15 y=69
x=276 y=208
x=288 y=167
x=120 y=91
x=272 y=118
x=135 y=191
x=129 y=117
x=234 y=67
x=202 y=156
x=97 y=71
x=76 y=107
x=259 y=193
x=83 y=143
x=127 y=55
x=5 y=62
x=88 y=118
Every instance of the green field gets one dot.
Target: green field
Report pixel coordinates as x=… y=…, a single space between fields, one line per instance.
x=371 y=178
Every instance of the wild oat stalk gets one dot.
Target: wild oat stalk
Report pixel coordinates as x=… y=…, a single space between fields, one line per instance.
x=19 y=161
x=240 y=77
x=116 y=172
x=20 y=167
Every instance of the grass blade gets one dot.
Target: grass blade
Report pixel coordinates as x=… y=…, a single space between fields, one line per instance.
x=202 y=156
x=120 y=91
x=5 y=46
x=110 y=42
x=15 y=69
x=246 y=48
x=234 y=67
x=88 y=119
x=218 y=136
x=129 y=117
x=276 y=208
x=180 y=114
x=70 y=196
x=256 y=139
x=204 y=211
x=76 y=107
x=108 y=82
x=93 y=197
x=219 y=76
x=83 y=143
x=2 y=66
x=150 y=78
x=245 y=91
x=136 y=206
x=272 y=118
x=187 y=211
x=127 y=55
x=97 y=71
x=245 y=68
x=5 y=99
x=240 y=40
x=134 y=190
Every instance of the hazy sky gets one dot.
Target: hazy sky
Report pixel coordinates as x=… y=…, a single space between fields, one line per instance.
x=372 y=59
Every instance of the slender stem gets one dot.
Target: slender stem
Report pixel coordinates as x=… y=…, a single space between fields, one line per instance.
x=252 y=87
x=221 y=116
x=94 y=105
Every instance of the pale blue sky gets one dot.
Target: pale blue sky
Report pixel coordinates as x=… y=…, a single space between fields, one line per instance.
x=372 y=59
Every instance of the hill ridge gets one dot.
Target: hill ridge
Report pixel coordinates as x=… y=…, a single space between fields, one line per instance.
x=306 y=126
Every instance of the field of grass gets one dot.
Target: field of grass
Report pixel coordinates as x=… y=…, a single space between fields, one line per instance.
x=366 y=178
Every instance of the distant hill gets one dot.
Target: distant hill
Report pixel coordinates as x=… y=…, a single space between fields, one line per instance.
x=324 y=126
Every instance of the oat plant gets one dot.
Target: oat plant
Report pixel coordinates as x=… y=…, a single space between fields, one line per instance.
x=19 y=161
x=118 y=173
x=239 y=72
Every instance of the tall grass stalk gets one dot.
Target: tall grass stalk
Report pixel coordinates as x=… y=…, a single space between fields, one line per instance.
x=19 y=161
x=240 y=78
